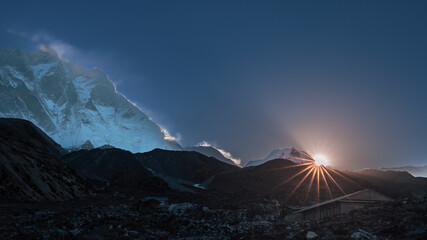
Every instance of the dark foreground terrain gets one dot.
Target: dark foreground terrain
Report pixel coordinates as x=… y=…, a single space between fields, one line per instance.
x=124 y=217
x=47 y=192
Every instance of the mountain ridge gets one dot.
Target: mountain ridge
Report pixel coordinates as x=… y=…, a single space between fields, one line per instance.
x=417 y=171
x=211 y=152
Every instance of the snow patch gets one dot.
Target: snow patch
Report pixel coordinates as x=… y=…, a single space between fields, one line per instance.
x=197 y=185
x=83 y=87
x=41 y=70
x=17 y=75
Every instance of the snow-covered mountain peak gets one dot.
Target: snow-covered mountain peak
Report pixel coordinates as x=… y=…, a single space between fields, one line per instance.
x=73 y=104
x=293 y=154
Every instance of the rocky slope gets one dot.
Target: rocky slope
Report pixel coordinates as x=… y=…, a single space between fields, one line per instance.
x=191 y=166
x=30 y=167
x=72 y=104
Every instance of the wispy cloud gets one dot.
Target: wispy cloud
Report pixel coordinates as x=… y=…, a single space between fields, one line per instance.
x=226 y=154
x=84 y=57
x=39 y=39
x=169 y=137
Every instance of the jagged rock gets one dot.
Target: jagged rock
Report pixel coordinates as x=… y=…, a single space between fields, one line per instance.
x=75 y=231
x=87 y=145
x=362 y=235
x=311 y=235
x=106 y=146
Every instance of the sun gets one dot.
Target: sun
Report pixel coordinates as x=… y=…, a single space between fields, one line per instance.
x=320 y=159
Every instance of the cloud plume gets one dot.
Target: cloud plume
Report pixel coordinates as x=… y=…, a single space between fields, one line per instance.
x=226 y=154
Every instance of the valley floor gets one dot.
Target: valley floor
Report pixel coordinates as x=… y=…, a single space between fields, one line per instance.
x=122 y=217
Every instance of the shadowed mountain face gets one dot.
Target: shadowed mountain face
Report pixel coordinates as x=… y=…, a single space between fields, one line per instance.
x=119 y=168
x=175 y=167
x=72 y=104
x=30 y=167
x=191 y=166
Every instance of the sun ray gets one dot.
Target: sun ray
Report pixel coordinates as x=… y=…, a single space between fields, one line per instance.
x=294 y=176
x=318 y=186
x=333 y=180
x=348 y=179
x=309 y=186
x=316 y=172
x=299 y=184
x=326 y=182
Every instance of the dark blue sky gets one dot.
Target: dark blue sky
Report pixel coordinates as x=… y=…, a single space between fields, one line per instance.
x=344 y=78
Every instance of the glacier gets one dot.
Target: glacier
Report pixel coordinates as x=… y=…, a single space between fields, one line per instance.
x=73 y=104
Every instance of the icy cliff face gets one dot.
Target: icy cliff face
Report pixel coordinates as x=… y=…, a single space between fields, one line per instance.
x=72 y=104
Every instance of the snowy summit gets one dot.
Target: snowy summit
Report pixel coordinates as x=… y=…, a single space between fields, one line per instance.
x=292 y=154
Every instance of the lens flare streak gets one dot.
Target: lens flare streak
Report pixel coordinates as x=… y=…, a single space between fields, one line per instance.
x=326 y=182
x=294 y=176
x=318 y=185
x=309 y=187
x=314 y=173
x=346 y=178
x=333 y=180
x=312 y=168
